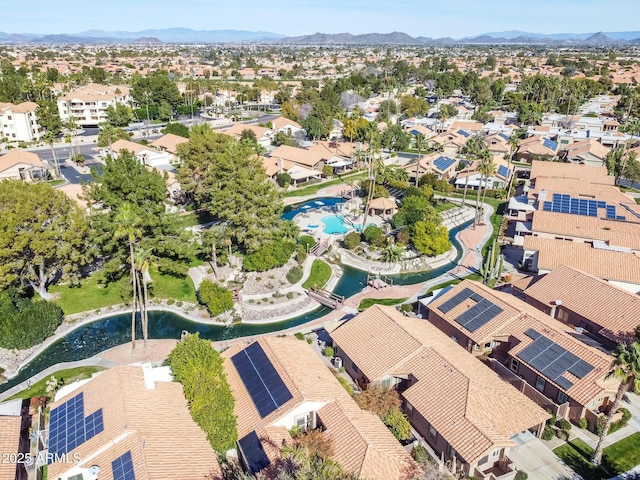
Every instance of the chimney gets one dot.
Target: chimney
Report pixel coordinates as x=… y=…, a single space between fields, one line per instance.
x=554 y=306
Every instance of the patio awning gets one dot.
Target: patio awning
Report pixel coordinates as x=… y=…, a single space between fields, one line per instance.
x=523 y=227
x=520 y=203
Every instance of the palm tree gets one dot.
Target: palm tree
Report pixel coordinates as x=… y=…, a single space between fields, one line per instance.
x=420 y=143
x=50 y=138
x=626 y=368
x=484 y=159
x=127 y=225
x=143 y=261
x=392 y=253
x=374 y=135
x=489 y=171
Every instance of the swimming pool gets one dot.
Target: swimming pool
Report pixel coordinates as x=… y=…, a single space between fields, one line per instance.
x=330 y=202
x=335 y=224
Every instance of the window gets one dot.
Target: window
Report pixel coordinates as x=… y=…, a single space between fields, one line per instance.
x=304 y=421
x=355 y=368
x=409 y=409
x=386 y=383
x=540 y=383
x=514 y=365
x=562 y=397
x=487 y=345
x=476 y=347
x=432 y=432
x=495 y=453
x=451 y=452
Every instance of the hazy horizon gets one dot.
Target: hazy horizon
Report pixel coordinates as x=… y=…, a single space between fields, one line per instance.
x=438 y=18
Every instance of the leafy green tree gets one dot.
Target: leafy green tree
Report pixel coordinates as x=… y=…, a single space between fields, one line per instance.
x=352 y=240
x=626 y=369
x=217 y=298
x=155 y=90
x=109 y=134
x=224 y=177
x=119 y=115
x=43 y=233
x=270 y=255
x=430 y=239
x=177 y=129
x=283 y=180
x=198 y=367
x=412 y=106
x=396 y=421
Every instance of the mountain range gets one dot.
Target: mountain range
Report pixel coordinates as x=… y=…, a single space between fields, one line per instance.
x=186 y=35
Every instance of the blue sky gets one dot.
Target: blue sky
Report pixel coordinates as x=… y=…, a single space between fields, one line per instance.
x=430 y=18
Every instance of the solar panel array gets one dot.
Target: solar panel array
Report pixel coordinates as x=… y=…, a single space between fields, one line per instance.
x=266 y=389
x=442 y=163
x=503 y=135
x=253 y=453
x=503 y=171
x=477 y=315
x=122 y=467
x=550 y=144
x=563 y=203
x=463 y=133
x=553 y=360
x=69 y=428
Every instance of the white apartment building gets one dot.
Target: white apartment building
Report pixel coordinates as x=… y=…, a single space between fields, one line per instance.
x=88 y=104
x=19 y=123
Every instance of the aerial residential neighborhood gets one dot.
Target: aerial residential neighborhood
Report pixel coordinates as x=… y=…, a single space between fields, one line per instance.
x=228 y=253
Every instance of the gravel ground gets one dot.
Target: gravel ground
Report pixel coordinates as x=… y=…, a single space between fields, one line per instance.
x=269 y=282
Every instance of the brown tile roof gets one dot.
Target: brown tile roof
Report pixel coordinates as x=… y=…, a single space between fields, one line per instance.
x=606 y=264
x=15 y=157
x=95 y=92
x=282 y=122
x=522 y=317
x=237 y=129
x=465 y=401
x=24 y=107
x=466 y=125
x=301 y=156
x=9 y=443
x=570 y=170
x=156 y=422
x=615 y=310
x=613 y=232
x=309 y=380
x=580 y=188
x=591 y=146
x=129 y=146
x=169 y=142
x=535 y=146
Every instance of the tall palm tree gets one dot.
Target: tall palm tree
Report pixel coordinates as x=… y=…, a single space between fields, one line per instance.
x=489 y=171
x=420 y=143
x=374 y=145
x=128 y=226
x=626 y=368
x=484 y=159
x=142 y=263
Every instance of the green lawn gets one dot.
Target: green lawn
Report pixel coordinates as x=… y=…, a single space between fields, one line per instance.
x=168 y=286
x=56 y=183
x=367 y=302
x=617 y=458
x=319 y=276
x=91 y=295
x=69 y=376
x=442 y=207
x=312 y=189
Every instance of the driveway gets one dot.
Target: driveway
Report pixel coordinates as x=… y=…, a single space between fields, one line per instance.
x=540 y=463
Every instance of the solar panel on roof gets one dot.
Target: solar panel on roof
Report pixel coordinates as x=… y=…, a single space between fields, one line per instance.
x=506 y=137
x=479 y=314
x=266 y=389
x=122 y=467
x=68 y=427
x=503 y=171
x=253 y=453
x=456 y=300
x=550 y=144
x=463 y=133
x=443 y=163
x=553 y=360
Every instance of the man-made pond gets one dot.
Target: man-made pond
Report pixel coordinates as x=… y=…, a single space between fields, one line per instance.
x=93 y=338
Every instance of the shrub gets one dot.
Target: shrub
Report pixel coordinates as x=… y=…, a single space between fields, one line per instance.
x=289 y=295
x=299 y=336
x=352 y=240
x=171 y=301
x=328 y=352
x=198 y=367
x=272 y=254
x=216 y=298
x=309 y=341
x=307 y=242
x=294 y=275
x=562 y=434
x=521 y=475
x=583 y=423
x=25 y=322
x=406 y=307
x=283 y=179
x=547 y=433
x=345 y=384
x=398 y=424
x=372 y=233
x=626 y=415
x=553 y=419
x=564 y=424
x=420 y=454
